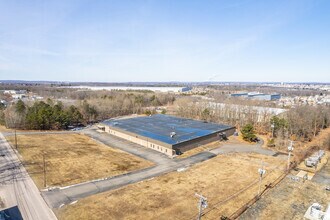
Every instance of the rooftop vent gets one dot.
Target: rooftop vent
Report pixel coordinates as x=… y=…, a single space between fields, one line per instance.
x=172 y=134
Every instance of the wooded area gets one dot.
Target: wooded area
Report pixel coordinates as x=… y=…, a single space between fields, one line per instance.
x=80 y=108
x=42 y=116
x=66 y=108
x=301 y=122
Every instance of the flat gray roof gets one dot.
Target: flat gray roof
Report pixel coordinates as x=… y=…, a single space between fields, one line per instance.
x=159 y=127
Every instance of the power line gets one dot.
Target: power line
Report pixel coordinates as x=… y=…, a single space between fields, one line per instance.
x=261 y=172
x=15 y=139
x=44 y=166
x=215 y=205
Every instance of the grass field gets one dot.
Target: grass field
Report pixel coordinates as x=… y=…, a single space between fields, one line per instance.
x=72 y=158
x=228 y=181
x=4 y=129
x=289 y=200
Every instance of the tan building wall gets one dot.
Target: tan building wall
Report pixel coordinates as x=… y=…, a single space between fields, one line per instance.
x=161 y=147
x=141 y=141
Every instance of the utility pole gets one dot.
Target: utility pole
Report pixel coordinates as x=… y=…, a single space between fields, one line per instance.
x=44 y=162
x=290 y=149
x=261 y=172
x=15 y=139
x=202 y=204
x=273 y=127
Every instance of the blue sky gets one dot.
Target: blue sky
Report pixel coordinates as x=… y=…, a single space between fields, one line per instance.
x=171 y=40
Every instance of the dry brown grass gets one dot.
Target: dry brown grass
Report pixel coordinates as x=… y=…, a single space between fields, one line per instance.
x=172 y=196
x=321 y=137
x=303 y=150
x=289 y=200
x=72 y=158
x=4 y=129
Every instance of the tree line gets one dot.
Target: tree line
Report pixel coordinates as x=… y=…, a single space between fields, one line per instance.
x=115 y=103
x=94 y=107
x=299 y=123
x=42 y=116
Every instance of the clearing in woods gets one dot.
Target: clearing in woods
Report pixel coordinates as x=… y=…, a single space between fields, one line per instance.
x=228 y=182
x=72 y=158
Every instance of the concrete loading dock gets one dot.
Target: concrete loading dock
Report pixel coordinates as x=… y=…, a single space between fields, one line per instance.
x=167 y=134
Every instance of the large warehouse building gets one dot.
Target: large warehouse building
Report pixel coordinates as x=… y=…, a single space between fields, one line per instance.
x=167 y=134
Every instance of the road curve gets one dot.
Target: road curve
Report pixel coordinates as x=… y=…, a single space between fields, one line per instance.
x=61 y=196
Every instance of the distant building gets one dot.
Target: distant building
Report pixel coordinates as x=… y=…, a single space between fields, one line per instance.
x=267 y=97
x=18 y=96
x=256 y=95
x=149 y=88
x=244 y=94
x=34 y=97
x=14 y=92
x=241 y=111
x=185 y=89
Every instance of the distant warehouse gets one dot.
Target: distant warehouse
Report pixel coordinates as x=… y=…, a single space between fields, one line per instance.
x=256 y=95
x=167 y=134
x=134 y=88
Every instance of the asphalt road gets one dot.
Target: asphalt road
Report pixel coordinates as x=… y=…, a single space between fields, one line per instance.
x=58 y=197
x=18 y=189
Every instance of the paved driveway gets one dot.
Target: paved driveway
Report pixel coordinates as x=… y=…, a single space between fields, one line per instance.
x=243 y=148
x=58 y=197
x=130 y=147
x=61 y=196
